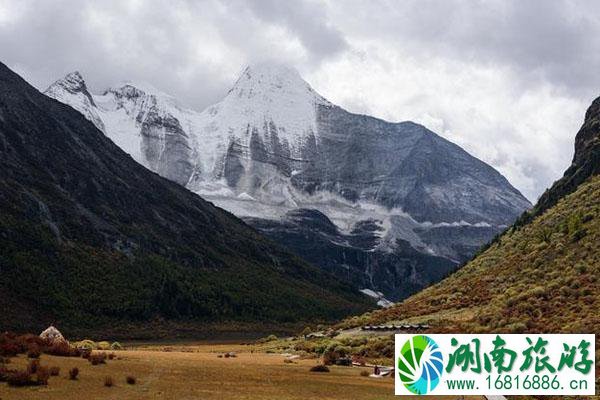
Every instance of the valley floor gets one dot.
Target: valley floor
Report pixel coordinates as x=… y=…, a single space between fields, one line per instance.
x=196 y=372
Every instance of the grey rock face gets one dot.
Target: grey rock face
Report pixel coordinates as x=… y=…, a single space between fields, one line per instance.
x=405 y=165
x=165 y=146
x=351 y=257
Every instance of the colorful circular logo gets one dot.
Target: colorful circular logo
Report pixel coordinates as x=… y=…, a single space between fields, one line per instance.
x=420 y=364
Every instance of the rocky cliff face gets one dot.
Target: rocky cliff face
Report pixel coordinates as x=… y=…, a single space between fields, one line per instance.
x=274 y=151
x=586 y=163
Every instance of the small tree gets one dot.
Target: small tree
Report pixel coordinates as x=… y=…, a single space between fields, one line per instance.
x=306 y=331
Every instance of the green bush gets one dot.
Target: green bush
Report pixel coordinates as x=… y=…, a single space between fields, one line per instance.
x=517 y=327
x=103 y=346
x=86 y=344
x=116 y=346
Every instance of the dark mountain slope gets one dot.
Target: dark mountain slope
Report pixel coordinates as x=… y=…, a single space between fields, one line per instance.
x=90 y=237
x=351 y=256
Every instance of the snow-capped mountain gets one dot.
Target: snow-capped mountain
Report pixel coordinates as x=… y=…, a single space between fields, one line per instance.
x=390 y=206
x=140 y=119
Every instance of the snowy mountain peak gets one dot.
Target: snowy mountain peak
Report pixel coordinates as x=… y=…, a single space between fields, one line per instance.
x=141 y=91
x=269 y=112
x=137 y=88
x=72 y=83
x=274 y=82
x=72 y=90
x=73 y=80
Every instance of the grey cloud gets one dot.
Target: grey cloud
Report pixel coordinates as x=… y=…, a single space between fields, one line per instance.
x=306 y=20
x=544 y=41
x=110 y=41
x=193 y=49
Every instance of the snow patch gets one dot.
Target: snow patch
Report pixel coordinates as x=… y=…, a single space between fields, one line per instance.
x=245 y=196
x=380 y=297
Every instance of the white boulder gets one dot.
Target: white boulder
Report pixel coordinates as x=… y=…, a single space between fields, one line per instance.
x=52 y=335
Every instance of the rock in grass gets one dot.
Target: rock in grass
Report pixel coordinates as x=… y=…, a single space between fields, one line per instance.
x=53 y=335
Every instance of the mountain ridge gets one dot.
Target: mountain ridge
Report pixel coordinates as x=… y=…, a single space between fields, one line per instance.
x=585 y=163
x=274 y=146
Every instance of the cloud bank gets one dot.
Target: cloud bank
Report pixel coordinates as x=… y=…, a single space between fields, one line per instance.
x=507 y=80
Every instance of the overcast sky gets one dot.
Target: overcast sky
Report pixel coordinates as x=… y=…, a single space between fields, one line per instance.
x=509 y=81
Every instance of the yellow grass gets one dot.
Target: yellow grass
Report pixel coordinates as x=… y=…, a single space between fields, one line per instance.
x=195 y=372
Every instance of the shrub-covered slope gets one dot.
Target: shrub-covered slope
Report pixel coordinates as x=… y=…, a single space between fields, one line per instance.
x=90 y=238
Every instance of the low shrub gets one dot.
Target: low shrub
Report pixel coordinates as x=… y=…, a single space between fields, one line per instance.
x=97 y=358
x=116 y=346
x=578 y=235
x=55 y=371
x=19 y=378
x=33 y=366
x=364 y=373
x=9 y=349
x=4 y=372
x=103 y=346
x=130 y=380
x=344 y=361
x=329 y=358
x=42 y=376
x=354 y=342
x=85 y=353
x=306 y=331
x=378 y=348
x=87 y=344
x=308 y=347
x=319 y=368
x=28 y=342
x=517 y=327
x=73 y=373
x=33 y=351
x=63 y=349
x=108 y=381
